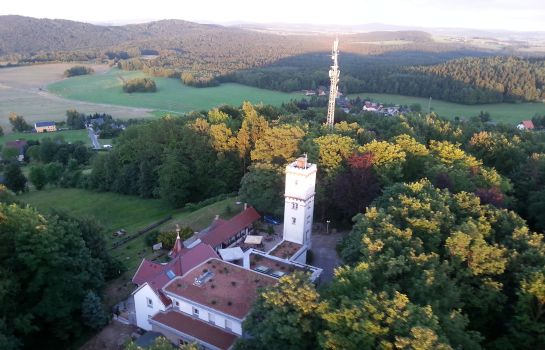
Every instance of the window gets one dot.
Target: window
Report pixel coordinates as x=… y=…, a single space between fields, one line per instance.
x=149 y=302
x=297 y=182
x=177 y=303
x=228 y=324
x=195 y=311
x=294 y=206
x=293 y=220
x=211 y=318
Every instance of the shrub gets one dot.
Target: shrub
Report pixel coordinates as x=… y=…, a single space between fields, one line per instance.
x=139 y=85
x=78 y=70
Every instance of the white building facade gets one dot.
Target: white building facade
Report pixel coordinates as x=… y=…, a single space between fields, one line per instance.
x=146 y=304
x=299 y=201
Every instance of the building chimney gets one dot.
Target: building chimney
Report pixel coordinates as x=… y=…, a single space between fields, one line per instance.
x=245 y=206
x=217 y=217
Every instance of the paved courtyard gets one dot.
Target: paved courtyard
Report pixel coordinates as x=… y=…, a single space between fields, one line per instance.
x=325 y=255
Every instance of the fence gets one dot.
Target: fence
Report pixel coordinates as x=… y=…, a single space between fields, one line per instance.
x=140 y=232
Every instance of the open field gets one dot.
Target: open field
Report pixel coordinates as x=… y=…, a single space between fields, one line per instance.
x=68 y=136
x=22 y=90
x=501 y=112
x=116 y=211
x=171 y=94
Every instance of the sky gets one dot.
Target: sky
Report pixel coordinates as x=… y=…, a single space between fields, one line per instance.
x=513 y=15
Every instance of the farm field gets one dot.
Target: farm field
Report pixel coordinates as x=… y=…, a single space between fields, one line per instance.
x=22 y=90
x=68 y=136
x=171 y=95
x=510 y=113
x=115 y=211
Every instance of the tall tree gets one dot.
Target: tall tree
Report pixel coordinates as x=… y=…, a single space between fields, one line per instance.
x=14 y=178
x=18 y=123
x=38 y=177
x=284 y=317
x=92 y=312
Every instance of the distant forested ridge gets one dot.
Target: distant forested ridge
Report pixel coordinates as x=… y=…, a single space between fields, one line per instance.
x=467 y=80
x=399 y=62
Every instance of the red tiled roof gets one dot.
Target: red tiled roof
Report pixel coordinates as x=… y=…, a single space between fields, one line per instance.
x=189 y=258
x=528 y=124
x=146 y=271
x=156 y=274
x=196 y=328
x=227 y=229
x=231 y=290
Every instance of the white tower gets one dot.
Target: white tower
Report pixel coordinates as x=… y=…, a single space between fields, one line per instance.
x=334 y=76
x=299 y=201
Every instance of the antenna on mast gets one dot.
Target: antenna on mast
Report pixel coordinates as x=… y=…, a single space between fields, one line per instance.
x=334 y=76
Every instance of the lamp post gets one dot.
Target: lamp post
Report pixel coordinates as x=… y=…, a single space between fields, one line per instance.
x=327 y=226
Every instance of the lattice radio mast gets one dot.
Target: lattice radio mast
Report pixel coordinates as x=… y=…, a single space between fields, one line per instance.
x=334 y=76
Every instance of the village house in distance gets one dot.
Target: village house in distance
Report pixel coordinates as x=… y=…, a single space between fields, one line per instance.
x=45 y=126
x=204 y=293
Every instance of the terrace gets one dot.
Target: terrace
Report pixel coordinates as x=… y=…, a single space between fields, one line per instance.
x=277 y=267
x=286 y=249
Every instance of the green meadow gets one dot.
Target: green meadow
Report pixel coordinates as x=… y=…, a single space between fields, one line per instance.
x=511 y=113
x=67 y=135
x=171 y=94
x=116 y=211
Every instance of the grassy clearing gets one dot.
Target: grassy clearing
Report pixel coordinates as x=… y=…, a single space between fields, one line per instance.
x=68 y=136
x=501 y=112
x=171 y=94
x=115 y=211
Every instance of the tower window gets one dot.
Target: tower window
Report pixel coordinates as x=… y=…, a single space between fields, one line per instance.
x=294 y=206
x=293 y=220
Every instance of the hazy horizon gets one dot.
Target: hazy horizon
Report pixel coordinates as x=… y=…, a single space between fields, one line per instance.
x=508 y=15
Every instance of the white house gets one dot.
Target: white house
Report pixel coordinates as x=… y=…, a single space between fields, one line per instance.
x=151 y=277
x=197 y=297
x=217 y=293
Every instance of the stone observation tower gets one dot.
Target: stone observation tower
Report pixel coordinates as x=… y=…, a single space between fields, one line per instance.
x=299 y=201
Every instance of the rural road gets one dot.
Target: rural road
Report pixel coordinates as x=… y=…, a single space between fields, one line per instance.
x=93 y=137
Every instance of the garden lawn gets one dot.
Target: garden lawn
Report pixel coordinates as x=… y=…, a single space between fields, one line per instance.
x=511 y=113
x=115 y=211
x=171 y=94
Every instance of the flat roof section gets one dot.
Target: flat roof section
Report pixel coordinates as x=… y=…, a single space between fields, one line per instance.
x=221 y=286
x=285 y=249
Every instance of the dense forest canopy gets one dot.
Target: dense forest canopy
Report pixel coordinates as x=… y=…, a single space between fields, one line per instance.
x=438 y=239
x=53 y=268
x=426 y=269
x=445 y=76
